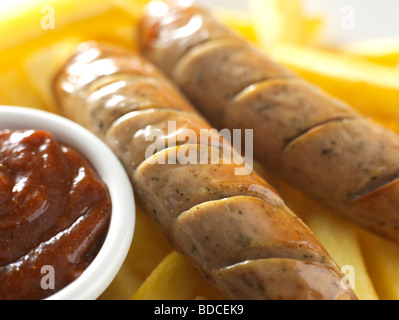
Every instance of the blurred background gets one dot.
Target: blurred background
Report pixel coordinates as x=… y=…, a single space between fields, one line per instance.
x=373 y=19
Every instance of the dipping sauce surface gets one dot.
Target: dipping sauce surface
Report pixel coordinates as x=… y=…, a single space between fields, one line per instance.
x=54 y=214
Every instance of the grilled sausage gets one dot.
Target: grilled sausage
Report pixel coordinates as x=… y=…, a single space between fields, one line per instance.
x=234 y=229
x=314 y=141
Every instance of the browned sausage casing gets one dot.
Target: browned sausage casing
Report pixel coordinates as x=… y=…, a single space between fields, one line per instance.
x=235 y=230
x=316 y=142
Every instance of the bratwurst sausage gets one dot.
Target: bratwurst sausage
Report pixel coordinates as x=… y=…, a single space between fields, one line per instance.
x=314 y=141
x=234 y=229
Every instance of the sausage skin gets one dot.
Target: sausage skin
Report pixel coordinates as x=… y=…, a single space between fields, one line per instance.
x=223 y=224
x=319 y=144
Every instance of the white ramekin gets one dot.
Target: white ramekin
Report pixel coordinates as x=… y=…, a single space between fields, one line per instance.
x=100 y=273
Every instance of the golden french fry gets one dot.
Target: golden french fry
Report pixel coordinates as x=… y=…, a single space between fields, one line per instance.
x=370 y=88
x=311 y=31
x=390 y=123
x=39 y=18
x=36 y=19
x=18 y=91
x=381 y=51
x=41 y=67
x=272 y=18
x=241 y=23
x=135 y=7
x=340 y=239
x=3 y=99
x=148 y=249
x=173 y=279
x=87 y=19
x=126 y=283
x=283 y=21
x=149 y=245
x=382 y=258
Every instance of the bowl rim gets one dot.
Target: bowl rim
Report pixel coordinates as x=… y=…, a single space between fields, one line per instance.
x=117 y=243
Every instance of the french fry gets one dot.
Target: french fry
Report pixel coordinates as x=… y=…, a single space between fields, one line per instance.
x=135 y=7
x=311 y=31
x=173 y=279
x=41 y=67
x=39 y=18
x=18 y=91
x=340 y=239
x=149 y=245
x=87 y=19
x=283 y=21
x=241 y=23
x=382 y=258
x=148 y=249
x=126 y=283
x=31 y=20
x=3 y=99
x=370 y=88
x=390 y=123
x=380 y=51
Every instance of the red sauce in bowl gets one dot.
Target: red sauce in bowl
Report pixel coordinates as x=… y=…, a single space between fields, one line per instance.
x=54 y=214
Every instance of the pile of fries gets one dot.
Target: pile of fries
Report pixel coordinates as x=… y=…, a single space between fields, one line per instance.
x=37 y=38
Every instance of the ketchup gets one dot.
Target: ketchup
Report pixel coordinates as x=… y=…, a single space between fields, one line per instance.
x=54 y=214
